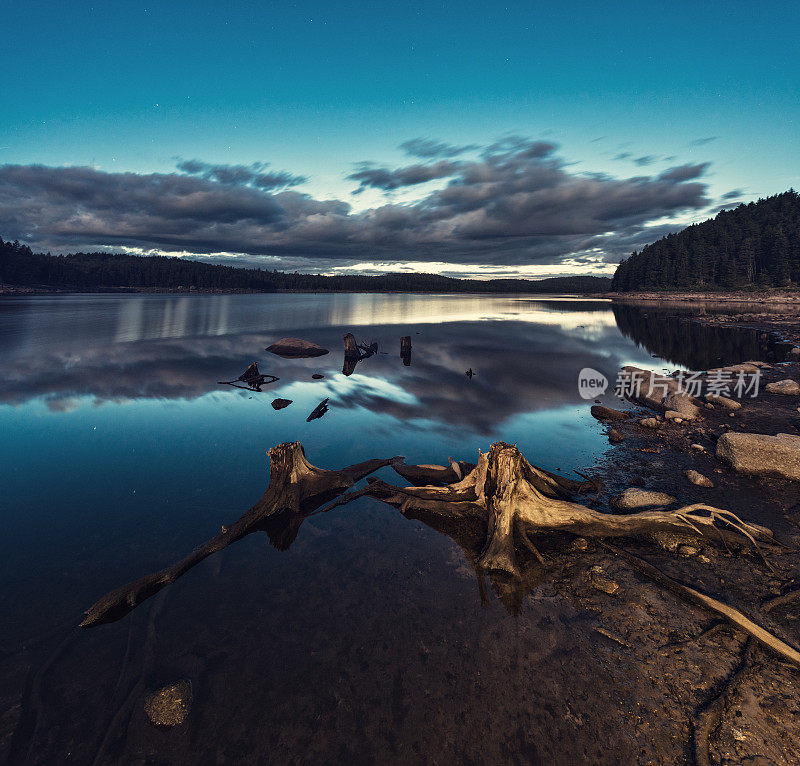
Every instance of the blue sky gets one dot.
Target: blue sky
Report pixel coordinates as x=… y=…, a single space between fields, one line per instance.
x=619 y=90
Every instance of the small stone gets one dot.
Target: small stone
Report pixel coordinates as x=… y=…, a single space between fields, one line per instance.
x=731 y=414
x=579 y=544
x=677 y=420
x=599 y=580
x=641 y=498
x=787 y=387
x=698 y=447
x=672 y=415
x=687 y=550
x=317 y=376
x=683 y=404
x=793 y=355
x=170 y=705
x=279 y=404
x=709 y=406
x=698 y=479
x=615 y=437
x=648 y=422
x=703 y=559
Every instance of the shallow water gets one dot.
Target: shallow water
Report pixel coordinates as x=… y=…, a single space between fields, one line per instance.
x=366 y=641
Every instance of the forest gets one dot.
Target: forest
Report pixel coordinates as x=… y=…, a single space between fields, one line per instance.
x=748 y=247
x=103 y=272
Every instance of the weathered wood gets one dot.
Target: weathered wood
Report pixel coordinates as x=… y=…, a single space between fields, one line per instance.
x=405 y=350
x=295 y=486
x=318 y=411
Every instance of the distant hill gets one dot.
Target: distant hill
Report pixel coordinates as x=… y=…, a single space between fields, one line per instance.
x=19 y=266
x=755 y=245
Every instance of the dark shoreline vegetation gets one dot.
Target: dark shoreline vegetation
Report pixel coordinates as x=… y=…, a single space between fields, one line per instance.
x=20 y=267
x=754 y=246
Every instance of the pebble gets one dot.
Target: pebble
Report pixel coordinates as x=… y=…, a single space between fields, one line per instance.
x=698 y=447
x=698 y=479
x=170 y=705
x=650 y=422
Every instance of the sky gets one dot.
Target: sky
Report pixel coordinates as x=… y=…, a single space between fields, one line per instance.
x=470 y=139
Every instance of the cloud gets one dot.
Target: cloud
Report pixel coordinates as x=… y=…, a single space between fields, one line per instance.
x=733 y=194
x=648 y=159
x=623 y=156
x=427 y=148
x=241 y=175
x=518 y=203
x=703 y=141
x=388 y=180
x=682 y=173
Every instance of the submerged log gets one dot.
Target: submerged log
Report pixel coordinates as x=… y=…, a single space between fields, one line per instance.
x=295 y=486
x=354 y=352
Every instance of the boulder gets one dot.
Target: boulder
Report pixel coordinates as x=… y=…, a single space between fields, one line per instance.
x=723 y=401
x=615 y=437
x=760 y=454
x=698 y=479
x=633 y=498
x=646 y=387
x=648 y=422
x=793 y=355
x=788 y=387
x=296 y=348
x=607 y=413
x=683 y=404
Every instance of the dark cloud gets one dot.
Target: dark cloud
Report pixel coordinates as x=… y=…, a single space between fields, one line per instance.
x=389 y=180
x=430 y=149
x=733 y=194
x=703 y=141
x=518 y=203
x=648 y=159
x=623 y=156
x=254 y=175
x=682 y=173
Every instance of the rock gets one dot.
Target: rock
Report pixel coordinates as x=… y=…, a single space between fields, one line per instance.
x=760 y=365
x=788 y=387
x=633 y=498
x=648 y=422
x=296 y=348
x=170 y=705
x=698 y=479
x=723 y=401
x=599 y=580
x=317 y=376
x=579 y=544
x=279 y=404
x=682 y=404
x=615 y=437
x=647 y=387
x=687 y=550
x=606 y=413
x=709 y=406
x=698 y=447
x=673 y=415
x=760 y=454
x=750 y=368
x=667 y=540
x=793 y=355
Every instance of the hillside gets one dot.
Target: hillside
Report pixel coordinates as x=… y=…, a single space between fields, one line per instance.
x=755 y=245
x=20 y=267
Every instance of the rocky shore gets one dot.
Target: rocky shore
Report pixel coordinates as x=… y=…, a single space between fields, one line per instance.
x=676 y=444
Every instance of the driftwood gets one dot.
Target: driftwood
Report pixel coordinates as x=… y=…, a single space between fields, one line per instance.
x=405 y=350
x=318 y=411
x=252 y=379
x=517 y=499
x=354 y=352
x=296 y=488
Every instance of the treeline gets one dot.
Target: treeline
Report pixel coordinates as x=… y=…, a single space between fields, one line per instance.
x=20 y=266
x=750 y=246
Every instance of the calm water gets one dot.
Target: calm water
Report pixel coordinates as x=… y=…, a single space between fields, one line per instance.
x=120 y=452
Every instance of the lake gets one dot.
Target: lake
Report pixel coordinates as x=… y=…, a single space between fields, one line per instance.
x=367 y=640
